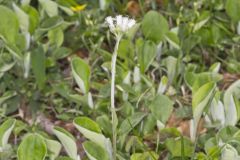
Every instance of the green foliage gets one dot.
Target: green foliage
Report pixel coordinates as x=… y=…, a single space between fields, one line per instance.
x=176 y=93
x=68 y=141
x=9 y=25
x=81 y=74
x=32 y=147
x=94 y=151
x=150 y=26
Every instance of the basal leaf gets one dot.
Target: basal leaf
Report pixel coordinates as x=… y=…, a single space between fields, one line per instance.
x=161 y=107
x=32 y=147
x=200 y=101
x=147 y=51
x=81 y=73
x=54 y=148
x=5 y=131
x=232 y=9
x=39 y=66
x=92 y=131
x=68 y=142
x=154 y=26
x=129 y=123
x=94 y=151
x=9 y=25
x=50 y=7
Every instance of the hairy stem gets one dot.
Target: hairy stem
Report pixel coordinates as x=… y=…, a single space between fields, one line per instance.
x=114 y=115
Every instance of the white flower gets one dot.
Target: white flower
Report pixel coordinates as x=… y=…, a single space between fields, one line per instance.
x=119 y=24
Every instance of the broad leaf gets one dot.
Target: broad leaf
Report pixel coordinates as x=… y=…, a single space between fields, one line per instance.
x=129 y=123
x=6 y=96
x=180 y=147
x=147 y=51
x=50 y=7
x=92 y=131
x=22 y=18
x=32 y=147
x=231 y=107
x=200 y=101
x=94 y=151
x=5 y=131
x=9 y=25
x=33 y=17
x=229 y=152
x=56 y=36
x=161 y=107
x=81 y=73
x=68 y=141
x=172 y=38
x=154 y=26
x=232 y=8
x=39 y=66
x=54 y=148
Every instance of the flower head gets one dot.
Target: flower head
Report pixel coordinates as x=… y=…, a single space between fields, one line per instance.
x=119 y=24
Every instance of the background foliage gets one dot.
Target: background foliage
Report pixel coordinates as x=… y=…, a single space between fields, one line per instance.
x=177 y=80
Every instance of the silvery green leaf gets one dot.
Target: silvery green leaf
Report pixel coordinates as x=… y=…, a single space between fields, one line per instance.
x=192 y=129
x=171 y=64
x=200 y=101
x=54 y=148
x=215 y=67
x=231 y=112
x=5 y=131
x=27 y=64
x=229 y=152
x=103 y=4
x=230 y=106
x=173 y=40
x=81 y=73
x=163 y=85
x=67 y=141
x=159 y=51
x=7 y=67
x=95 y=151
x=92 y=131
x=217 y=111
x=136 y=75
x=28 y=40
x=22 y=18
x=90 y=100
x=202 y=20
x=66 y=10
x=50 y=7
x=127 y=78
x=6 y=96
x=160 y=125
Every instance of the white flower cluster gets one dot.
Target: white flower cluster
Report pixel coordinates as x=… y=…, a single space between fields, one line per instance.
x=119 y=24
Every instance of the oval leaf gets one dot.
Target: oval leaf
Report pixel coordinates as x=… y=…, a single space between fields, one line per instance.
x=154 y=26
x=32 y=147
x=94 y=151
x=81 y=73
x=67 y=140
x=5 y=131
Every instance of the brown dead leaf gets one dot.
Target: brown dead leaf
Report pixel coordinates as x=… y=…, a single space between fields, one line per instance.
x=133 y=8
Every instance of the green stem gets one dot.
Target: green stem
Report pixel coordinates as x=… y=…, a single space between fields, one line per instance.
x=114 y=115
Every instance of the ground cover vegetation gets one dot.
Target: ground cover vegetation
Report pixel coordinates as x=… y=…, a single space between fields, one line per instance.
x=119 y=79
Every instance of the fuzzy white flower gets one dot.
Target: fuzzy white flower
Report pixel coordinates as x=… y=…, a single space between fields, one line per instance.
x=119 y=24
